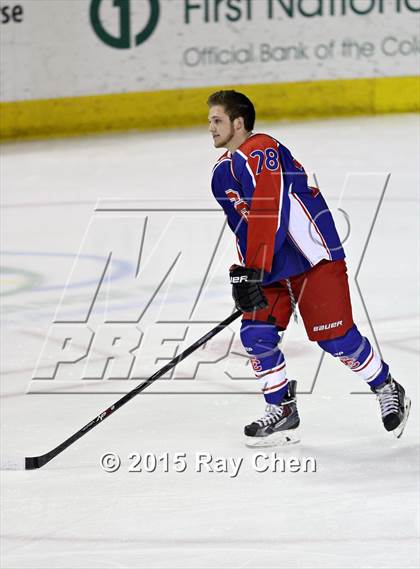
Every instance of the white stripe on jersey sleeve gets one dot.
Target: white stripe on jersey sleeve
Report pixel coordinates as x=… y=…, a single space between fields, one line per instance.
x=300 y=231
x=248 y=167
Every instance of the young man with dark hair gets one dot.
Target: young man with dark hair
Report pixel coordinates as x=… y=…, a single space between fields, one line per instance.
x=290 y=254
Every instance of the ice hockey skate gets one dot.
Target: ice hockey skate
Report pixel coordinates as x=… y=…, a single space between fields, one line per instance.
x=394 y=405
x=279 y=425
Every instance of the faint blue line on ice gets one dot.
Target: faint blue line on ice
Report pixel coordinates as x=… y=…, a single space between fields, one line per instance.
x=123 y=268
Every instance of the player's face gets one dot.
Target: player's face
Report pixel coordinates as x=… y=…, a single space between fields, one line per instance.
x=220 y=127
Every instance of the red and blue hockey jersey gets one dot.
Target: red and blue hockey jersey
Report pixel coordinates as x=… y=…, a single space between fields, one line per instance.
x=282 y=225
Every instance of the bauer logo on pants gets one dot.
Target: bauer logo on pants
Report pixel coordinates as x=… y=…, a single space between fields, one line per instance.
x=327 y=326
x=123 y=9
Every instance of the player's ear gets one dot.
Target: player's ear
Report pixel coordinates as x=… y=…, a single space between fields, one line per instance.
x=238 y=123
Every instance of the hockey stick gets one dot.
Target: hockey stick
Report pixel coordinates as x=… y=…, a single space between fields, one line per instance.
x=33 y=462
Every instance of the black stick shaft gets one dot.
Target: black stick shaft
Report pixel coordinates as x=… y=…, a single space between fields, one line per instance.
x=34 y=462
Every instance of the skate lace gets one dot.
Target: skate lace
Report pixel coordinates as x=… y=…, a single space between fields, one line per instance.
x=272 y=414
x=388 y=399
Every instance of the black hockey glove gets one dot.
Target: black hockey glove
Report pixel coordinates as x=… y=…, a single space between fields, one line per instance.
x=246 y=288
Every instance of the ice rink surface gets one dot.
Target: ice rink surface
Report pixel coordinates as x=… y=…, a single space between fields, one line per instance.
x=66 y=204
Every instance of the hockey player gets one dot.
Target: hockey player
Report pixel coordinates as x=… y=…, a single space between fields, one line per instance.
x=290 y=254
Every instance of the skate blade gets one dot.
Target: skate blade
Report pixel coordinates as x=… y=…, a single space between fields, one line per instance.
x=400 y=429
x=282 y=438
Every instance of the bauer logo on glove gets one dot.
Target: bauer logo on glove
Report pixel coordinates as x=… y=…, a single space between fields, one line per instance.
x=246 y=288
x=241 y=279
